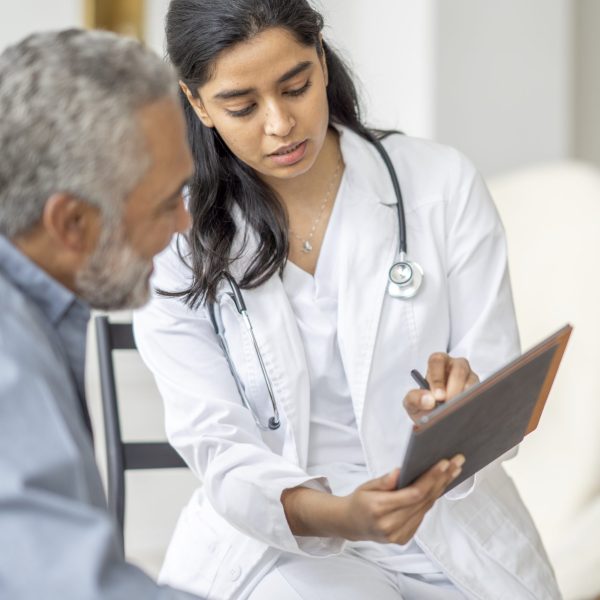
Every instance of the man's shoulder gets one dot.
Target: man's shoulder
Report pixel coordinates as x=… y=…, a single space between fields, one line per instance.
x=23 y=333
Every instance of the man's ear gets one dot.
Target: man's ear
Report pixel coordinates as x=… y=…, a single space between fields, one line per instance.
x=197 y=105
x=323 y=59
x=72 y=223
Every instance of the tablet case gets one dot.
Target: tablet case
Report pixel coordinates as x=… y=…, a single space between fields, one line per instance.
x=489 y=418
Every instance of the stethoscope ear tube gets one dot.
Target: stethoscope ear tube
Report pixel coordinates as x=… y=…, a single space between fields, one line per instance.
x=397 y=192
x=405 y=276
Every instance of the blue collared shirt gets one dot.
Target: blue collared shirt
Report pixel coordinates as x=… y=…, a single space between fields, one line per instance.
x=66 y=314
x=57 y=539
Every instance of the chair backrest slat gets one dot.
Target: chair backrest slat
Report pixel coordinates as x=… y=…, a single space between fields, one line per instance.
x=151 y=455
x=121 y=456
x=121 y=336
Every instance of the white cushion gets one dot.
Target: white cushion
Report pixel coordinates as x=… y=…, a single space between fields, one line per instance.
x=552 y=218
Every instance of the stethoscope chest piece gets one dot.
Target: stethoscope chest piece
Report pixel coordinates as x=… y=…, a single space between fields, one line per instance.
x=405 y=278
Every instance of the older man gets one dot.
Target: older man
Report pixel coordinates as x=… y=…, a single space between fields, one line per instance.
x=92 y=164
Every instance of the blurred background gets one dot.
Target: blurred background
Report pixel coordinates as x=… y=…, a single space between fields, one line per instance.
x=509 y=83
x=515 y=85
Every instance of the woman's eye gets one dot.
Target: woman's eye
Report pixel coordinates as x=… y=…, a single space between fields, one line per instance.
x=241 y=113
x=299 y=91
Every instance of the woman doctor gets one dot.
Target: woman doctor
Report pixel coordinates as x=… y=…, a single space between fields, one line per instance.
x=293 y=203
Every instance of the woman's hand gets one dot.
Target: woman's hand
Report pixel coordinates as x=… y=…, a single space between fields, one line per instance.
x=375 y=511
x=447 y=377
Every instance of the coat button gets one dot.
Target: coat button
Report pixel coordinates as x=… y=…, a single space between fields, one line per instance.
x=234 y=573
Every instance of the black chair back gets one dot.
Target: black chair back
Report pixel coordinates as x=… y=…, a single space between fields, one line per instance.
x=123 y=456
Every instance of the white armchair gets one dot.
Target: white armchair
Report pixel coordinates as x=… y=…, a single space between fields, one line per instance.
x=552 y=219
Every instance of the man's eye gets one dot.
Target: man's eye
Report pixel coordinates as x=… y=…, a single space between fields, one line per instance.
x=299 y=91
x=241 y=113
x=170 y=207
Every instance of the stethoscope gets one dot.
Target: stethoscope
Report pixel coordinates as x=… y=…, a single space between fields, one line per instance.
x=404 y=280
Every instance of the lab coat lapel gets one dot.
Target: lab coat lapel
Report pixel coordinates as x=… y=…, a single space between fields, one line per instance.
x=368 y=249
x=281 y=346
x=368 y=246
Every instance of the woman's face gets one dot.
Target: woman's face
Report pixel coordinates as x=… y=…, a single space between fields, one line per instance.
x=268 y=101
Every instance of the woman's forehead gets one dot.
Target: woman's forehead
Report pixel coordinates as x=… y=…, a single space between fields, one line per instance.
x=261 y=60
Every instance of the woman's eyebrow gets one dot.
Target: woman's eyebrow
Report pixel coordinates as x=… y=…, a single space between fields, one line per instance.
x=299 y=68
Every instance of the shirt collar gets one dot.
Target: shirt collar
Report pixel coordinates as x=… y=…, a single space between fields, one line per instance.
x=52 y=298
x=365 y=170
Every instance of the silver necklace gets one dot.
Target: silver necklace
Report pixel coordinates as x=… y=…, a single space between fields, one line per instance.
x=306 y=242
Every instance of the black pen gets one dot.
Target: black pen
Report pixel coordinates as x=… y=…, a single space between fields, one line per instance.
x=421 y=381
x=423 y=384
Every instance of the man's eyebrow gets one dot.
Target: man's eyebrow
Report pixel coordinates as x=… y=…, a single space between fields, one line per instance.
x=229 y=94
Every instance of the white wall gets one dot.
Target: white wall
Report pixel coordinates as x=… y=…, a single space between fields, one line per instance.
x=390 y=45
x=586 y=135
x=21 y=17
x=156 y=11
x=504 y=80
x=492 y=78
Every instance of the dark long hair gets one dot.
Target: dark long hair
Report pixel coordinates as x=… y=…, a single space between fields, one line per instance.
x=197 y=32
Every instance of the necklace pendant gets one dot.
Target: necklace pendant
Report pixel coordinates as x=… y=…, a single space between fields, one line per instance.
x=306 y=247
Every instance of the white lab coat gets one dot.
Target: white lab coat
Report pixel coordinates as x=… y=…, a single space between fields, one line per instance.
x=234 y=528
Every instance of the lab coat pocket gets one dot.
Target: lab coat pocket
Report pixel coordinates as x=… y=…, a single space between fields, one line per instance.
x=194 y=555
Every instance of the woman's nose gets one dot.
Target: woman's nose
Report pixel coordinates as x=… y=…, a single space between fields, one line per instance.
x=278 y=121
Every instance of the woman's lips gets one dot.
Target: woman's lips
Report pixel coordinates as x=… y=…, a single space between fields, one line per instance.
x=293 y=155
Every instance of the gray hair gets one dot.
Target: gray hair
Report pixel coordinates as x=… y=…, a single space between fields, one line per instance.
x=67 y=121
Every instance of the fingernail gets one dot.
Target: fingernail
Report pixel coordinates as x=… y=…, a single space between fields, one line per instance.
x=427 y=401
x=439 y=394
x=456 y=473
x=459 y=461
x=444 y=465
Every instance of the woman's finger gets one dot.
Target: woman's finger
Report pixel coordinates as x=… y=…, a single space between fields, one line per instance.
x=400 y=525
x=458 y=375
x=406 y=532
x=473 y=380
x=426 y=487
x=418 y=402
x=436 y=374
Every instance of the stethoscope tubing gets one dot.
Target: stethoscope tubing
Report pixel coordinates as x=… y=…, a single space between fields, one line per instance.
x=214 y=313
x=402 y=245
x=397 y=289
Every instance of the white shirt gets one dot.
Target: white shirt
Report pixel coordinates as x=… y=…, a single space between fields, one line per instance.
x=334 y=448
x=333 y=436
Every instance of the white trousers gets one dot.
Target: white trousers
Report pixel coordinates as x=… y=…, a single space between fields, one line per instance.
x=345 y=577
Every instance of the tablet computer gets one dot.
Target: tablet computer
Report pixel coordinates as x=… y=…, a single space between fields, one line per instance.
x=488 y=419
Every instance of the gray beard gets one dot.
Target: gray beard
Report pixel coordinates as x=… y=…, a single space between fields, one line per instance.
x=115 y=277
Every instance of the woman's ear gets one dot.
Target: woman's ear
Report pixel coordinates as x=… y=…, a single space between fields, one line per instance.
x=197 y=105
x=323 y=59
